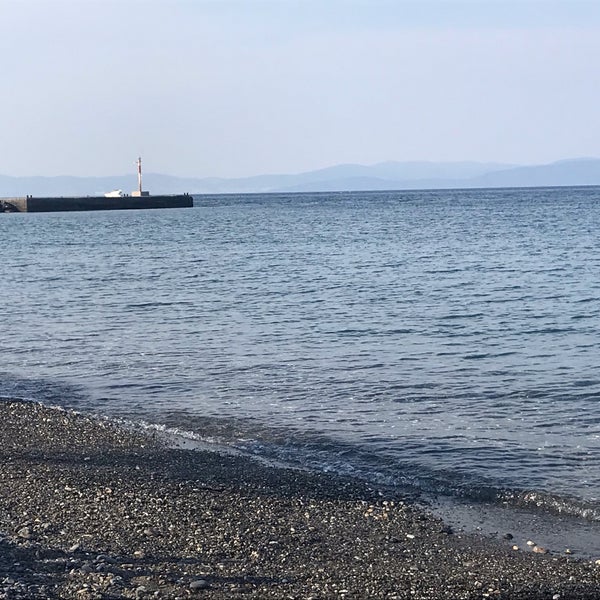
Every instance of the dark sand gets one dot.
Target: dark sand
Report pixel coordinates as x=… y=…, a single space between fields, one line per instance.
x=88 y=510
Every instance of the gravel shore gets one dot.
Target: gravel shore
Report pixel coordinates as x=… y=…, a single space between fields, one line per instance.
x=89 y=510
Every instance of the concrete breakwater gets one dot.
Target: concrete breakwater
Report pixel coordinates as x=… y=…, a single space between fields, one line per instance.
x=67 y=203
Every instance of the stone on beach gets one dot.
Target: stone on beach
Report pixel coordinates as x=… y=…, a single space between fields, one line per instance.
x=199 y=584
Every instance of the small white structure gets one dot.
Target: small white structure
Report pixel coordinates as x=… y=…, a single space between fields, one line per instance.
x=139 y=192
x=114 y=194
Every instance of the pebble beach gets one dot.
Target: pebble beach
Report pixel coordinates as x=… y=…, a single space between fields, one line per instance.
x=90 y=509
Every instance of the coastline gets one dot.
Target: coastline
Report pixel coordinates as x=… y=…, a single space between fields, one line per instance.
x=90 y=510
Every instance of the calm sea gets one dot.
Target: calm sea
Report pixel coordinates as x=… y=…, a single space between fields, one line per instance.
x=448 y=341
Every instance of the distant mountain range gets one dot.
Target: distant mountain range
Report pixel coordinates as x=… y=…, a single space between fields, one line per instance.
x=381 y=176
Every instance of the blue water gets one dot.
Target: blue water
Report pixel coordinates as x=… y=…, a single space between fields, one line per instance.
x=447 y=340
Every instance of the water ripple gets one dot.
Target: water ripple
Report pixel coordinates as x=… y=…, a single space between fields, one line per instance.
x=448 y=338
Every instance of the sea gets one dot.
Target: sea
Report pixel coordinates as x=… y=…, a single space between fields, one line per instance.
x=443 y=344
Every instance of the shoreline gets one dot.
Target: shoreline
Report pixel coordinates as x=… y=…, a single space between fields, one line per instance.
x=91 y=510
x=552 y=527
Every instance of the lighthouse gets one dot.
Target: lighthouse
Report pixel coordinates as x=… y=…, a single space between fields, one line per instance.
x=139 y=191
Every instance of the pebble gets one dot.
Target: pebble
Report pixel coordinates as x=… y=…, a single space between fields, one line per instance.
x=199 y=584
x=87 y=568
x=508 y=536
x=530 y=543
x=540 y=550
x=105 y=558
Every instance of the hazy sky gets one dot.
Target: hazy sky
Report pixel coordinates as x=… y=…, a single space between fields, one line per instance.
x=243 y=87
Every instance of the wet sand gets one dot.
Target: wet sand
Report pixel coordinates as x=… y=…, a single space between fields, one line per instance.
x=89 y=510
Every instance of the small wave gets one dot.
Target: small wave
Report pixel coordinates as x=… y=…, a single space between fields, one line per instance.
x=159 y=304
x=558 y=505
x=586 y=383
x=453 y=317
x=178 y=438
x=546 y=330
x=352 y=332
x=443 y=271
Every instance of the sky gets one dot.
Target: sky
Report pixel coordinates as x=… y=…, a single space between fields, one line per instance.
x=234 y=88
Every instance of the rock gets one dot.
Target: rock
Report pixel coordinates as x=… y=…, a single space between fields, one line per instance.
x=105 y=558
x=199 y=584
x=508 y=536
x=87 y=568
x=540 y=550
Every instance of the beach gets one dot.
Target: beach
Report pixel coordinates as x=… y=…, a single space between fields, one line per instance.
x=89 y=509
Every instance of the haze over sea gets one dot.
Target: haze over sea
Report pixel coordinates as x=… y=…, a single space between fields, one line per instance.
x=447 y=341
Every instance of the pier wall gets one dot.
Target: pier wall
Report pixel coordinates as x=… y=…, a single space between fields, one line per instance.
x=13 y=204
x=60 y=204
